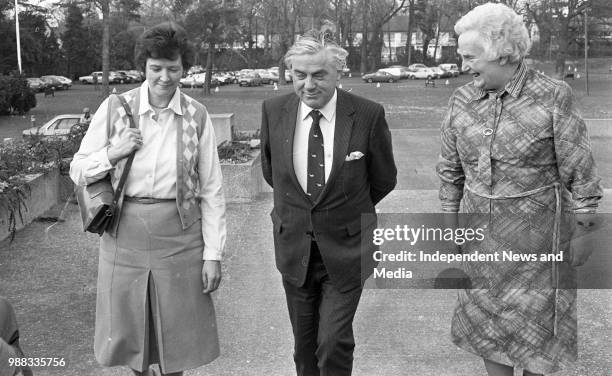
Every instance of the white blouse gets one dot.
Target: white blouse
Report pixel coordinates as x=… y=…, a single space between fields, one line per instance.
x=153 y=172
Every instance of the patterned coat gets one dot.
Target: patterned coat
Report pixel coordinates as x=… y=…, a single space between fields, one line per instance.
x=522 y=157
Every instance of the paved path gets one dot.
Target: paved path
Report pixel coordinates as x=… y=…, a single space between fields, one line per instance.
x=399 y=332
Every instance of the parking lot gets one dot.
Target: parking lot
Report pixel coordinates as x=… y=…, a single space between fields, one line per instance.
x=408 y=103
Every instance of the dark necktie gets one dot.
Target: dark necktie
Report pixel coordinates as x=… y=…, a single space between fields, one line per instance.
x=316 y=158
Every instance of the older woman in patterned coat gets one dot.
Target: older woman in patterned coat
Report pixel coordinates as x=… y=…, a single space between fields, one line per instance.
x=515 y=149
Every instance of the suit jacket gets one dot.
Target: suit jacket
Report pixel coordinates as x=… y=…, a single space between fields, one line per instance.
x=334 y=221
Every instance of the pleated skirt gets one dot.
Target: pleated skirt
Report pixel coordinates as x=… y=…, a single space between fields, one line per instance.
x=150 y=307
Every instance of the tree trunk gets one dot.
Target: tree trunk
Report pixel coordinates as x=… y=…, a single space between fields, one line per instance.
x=209 y=63
x=376 y=46
x=409 y=38
x=426 y=40
x=561 y=55
x=437 y=42
x=266 y=49
x=105 y=46
x=251 y=33
x=389 y=42
x=563 y=42
x=363 y=68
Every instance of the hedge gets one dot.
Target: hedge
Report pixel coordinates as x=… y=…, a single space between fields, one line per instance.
x=16 y=97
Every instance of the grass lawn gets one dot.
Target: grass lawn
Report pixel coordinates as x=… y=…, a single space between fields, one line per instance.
x=408 y=103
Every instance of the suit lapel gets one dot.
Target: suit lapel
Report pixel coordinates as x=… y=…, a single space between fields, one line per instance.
x=342 y=136
x=287 y=124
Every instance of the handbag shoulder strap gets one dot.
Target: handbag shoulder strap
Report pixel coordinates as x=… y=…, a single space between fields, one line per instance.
x=128 y=164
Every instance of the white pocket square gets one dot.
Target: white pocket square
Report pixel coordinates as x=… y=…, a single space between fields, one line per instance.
x=353 y=156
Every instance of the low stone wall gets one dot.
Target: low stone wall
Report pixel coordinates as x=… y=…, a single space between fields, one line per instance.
x=223 y=124
x=242 y=182
x=599 y=127
x=44 y=194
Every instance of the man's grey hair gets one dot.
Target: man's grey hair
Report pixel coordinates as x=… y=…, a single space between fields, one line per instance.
x=311 y=43
x=502 y=30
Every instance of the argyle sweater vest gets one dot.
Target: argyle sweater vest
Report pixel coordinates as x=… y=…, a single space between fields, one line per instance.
x=187 y=140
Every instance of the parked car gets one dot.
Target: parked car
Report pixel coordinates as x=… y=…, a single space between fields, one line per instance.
x=58 y=127
x=65 y=81
x=273 y=76
x=196 y=69
x=288 y=75
x=397 y=70
x=197 y=80
x=52 y=82
x=233 y=77
x=250 y=79
x=266 y=76
x=36 y=84
x=89 y=79
x=380 y=76
x=245 y=71
x=415 y=67
x=223 y=77
x=452 y=68
x=427 y=73
x=124 y=78
x=137 y=76
x=113 y=78
x=441 y=73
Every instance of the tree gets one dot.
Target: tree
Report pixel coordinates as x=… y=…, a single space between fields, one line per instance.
x=52 y=59
x=211 y=23
x=381 y=13
x=76 y=43
x=124 y=18
x=409 y=32
x=105 y=7
x=128 y=7
x=34 y=37
x=363 y=65
x=563 y=20
x=289 y=13
x=426 y=15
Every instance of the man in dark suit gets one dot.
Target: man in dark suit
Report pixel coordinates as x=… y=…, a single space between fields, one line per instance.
x=327 y=154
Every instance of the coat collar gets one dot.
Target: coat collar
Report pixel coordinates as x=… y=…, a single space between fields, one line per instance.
x=145 y=106
x=512 y=87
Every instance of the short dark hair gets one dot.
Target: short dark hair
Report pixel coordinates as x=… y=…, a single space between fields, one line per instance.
x=168 y=40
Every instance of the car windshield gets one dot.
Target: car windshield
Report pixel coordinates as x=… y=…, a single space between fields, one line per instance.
x=64 y=123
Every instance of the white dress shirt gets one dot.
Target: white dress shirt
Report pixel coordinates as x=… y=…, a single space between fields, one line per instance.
x=300 y=139
x=153 y=172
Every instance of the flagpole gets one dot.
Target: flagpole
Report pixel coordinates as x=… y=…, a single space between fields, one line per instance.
x=18 y=38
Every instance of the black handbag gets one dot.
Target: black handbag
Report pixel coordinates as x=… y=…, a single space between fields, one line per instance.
x=97 y=201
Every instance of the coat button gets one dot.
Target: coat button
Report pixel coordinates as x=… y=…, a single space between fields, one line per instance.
x=305 y=261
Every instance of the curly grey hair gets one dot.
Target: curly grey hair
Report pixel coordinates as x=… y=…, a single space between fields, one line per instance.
x=312 y=43
x=503 y=31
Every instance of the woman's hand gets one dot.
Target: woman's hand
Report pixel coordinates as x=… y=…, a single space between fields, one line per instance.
x=211 y=275
x=580 y=251
x=130 y=139
x=582 y=243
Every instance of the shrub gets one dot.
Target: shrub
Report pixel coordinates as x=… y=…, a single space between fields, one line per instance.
x=234 y=152
x=34 y=154
x=16 y=97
